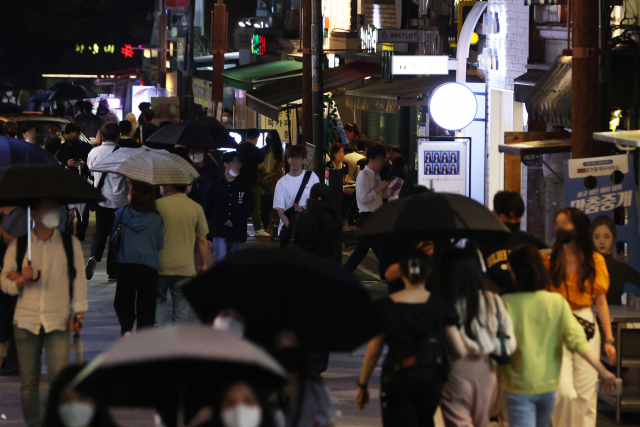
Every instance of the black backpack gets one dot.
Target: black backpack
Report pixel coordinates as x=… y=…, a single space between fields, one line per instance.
x=67 y=243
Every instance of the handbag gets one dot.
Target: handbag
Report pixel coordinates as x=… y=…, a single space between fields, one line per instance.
x=589 y=327
x=501 y=357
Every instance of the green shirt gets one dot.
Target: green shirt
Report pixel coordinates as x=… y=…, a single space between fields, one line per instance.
x=542 y=322
x=183 y=221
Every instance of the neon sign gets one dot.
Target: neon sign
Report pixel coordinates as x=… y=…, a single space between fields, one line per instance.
x=127 y=51
x=94 y=48
x=259 y=44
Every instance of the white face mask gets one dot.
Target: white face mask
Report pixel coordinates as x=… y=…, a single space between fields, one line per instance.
x=9 y=94
x=242 y=415
x=51 y=219
x=76 y=414
x=197 y=157
x=233 y=173
x=229 y=324
x=225 y=119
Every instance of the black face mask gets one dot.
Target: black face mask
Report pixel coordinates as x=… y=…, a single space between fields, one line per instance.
x=73 y=142
x=12 y=134
x=565 y=236
x=512 y=226
x=290 y=358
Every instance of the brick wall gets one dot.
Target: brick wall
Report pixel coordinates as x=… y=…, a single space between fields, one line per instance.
x=512 y=43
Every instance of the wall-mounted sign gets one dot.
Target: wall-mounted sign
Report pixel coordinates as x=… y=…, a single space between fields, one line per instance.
x=419 y=64
x=398 y=36
x=453 y=106
x=95 y=49
x=127 y=51
x=242 y=38
x=368 y=38
x=259 y=44
x=443 y=165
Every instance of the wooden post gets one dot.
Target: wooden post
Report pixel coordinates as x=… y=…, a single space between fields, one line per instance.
x=584 y=79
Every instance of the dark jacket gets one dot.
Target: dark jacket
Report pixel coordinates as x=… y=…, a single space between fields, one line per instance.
x=229 y=201
x=209 y=173
x=89 y=124
x=128 y=143
x=147 y=130
x=252 y=156
x=362 y=142
x=79 y=151
x=141 y=237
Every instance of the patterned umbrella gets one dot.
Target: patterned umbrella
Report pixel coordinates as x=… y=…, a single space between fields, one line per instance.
x=155 y=167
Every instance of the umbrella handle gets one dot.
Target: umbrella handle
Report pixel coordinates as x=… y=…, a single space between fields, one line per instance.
x=36 y=278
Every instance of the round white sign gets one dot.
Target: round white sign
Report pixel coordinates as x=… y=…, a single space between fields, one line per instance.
x=453 y=106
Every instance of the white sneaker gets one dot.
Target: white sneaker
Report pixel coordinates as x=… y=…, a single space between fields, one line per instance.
x=262 y=233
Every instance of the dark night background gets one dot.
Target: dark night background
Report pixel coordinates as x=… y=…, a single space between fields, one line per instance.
x=40 y=36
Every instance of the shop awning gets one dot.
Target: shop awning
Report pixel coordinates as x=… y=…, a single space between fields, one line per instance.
x=524 y=84
x=248 y=77
x=387 y=97
x=268 y=99
x=550 y=100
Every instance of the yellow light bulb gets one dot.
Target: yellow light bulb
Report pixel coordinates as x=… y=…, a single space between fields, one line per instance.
x=474 y=38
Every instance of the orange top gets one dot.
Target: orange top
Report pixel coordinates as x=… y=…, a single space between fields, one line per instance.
x=578 y=299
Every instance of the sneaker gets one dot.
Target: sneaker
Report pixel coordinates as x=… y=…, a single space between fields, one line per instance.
x=346 y=229
x=90 y=268
x=262 y=233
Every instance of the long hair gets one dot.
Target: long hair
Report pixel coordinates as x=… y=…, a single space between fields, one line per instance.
x=585 y=246
x=276 y=144
x=462 y=280
x=261 y=393
x=101 y=418
x=319 y=229
x=143 y=198
x=526 y=263
x=602 y=220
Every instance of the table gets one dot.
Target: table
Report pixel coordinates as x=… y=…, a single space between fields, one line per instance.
x=620 y=316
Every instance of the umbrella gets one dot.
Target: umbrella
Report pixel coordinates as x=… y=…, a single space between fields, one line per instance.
x=9 y=108
x=433 y=215
x=41 y=97
x=277 y=289
x=169 y=367
x=72 y=92
x=155 y=167
x=219 y=133
x=189 y=134
x=13 y=151
x=5 y=85
x=25 y=183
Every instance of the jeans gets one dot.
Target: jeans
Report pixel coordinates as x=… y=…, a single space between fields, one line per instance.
x=57 y=345
x=180 y=303
x=136 y=295
x=222 y=247
x=363 y=246
x=529 y=410
x=256 y=215
x=104 y=224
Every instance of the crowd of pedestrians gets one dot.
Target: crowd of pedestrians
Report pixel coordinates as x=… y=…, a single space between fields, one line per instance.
x=468 y=324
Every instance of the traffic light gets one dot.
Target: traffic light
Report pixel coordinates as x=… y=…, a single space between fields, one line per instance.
x=477 y=38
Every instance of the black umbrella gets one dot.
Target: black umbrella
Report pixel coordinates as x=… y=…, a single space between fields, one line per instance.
x=219 y=133
x=14 y=151
x=431 y=215
x=9 y=108
x=277 y=289
x=24 y=183
x=5 y=85
x=189 y=134
x=72 y=92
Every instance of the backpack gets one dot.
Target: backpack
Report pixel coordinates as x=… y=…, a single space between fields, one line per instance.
x=67 y=243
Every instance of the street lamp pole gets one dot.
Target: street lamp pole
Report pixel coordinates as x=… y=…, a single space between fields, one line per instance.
x=316 y=85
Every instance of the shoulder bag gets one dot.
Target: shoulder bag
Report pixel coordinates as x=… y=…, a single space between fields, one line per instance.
x=285 y=233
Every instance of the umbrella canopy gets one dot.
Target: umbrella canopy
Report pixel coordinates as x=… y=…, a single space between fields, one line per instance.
x=9 y=108
x=432 y=215
x=149 y=368
x=189 y=134
x=13 y=151
x=41 y=97
x=5 y=85
x=154 y=167
x=219 y=133
x=24 y=183
x=72 y=92
x=277 y=289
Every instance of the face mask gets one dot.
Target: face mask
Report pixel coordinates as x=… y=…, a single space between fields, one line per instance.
x=197 y=157
x=76 y=414
x=233 y=173
x=12 y=134
x=565 y=236
x=51 y=219
x=242 y=416
x=225 y=119
x=512 y=226
x=9 y=94
x=279 y=419
x=229 y=324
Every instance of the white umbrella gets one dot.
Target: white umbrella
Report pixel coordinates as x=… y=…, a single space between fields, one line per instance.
x=155 y=167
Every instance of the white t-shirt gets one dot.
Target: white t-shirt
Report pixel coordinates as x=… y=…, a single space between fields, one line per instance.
x=287 y=190
x=352 y=160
